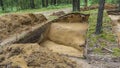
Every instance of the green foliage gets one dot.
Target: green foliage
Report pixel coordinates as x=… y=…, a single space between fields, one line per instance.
x=116 y=52
x=16 y=5
x=98 y=50
x=50 y=8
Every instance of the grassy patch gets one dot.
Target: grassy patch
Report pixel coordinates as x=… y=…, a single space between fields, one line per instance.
x=49 y=8
x=97 y=42
x=116 y=52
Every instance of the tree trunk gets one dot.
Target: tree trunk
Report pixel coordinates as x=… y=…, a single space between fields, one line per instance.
x=46 y=3
x=55 y=2
x=86 y=3
x=119 y=5
x=76 y=5
x=2 y=5
x=51 y=2
x=43 y=3
x=100 y=17
x=32 y=4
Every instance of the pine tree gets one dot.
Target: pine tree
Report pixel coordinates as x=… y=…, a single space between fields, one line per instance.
x=100 y=17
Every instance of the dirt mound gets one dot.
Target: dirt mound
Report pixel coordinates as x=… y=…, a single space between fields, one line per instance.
x=59 y=13
x=16 y=23
x=110 y=6
x=113 y=12
x=96 y=6
x=32 y=56
x=73 y=18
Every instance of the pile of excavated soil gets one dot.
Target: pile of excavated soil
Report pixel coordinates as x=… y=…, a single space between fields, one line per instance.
x=113 y=12
x=16 y=23
x=32 y=56
x=96 y=6
x=73 y=18
x=59 y=13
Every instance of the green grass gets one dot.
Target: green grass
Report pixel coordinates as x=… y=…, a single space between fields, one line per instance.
x=49 y=8
x=116 y=52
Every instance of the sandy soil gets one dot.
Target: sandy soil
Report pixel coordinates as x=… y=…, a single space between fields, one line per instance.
x=116 y=26
x=11 y=24
x=32 y=56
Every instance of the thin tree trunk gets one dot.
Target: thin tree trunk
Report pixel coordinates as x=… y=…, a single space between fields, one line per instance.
x=86 y=3
x=100 y=17
x=51 y=2
x=76 y=5
x=32 y=4
x=2 y=5
x=119 y=5
x=43 y=3
x=46 y=3
x=55 y=2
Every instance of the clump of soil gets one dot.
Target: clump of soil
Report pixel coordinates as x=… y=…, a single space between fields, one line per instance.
x=59 y=13
x=16 y=23
x=32 y=56
x=73 y=18
x=113 y=12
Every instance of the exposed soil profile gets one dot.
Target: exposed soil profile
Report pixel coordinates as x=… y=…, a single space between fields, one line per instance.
x=59 y=13
x=16 y=23
x=63 y=38
x=32 y=56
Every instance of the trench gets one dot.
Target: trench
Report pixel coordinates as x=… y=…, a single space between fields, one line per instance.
x=73 y=25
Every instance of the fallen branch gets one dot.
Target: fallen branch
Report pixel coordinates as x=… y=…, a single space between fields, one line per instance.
x=108 y=49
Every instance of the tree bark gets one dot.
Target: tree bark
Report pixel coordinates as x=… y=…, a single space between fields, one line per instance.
x=2 y=5
x=100 y=17
x=119 y=5
x=86 y=3
x=46 y=3
x=76 y=5
x=55 y=2
x=43 y=3
x=51 y=2
x=32 y=4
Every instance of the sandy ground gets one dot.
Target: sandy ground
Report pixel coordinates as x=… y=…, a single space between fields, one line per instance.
x=33 y=56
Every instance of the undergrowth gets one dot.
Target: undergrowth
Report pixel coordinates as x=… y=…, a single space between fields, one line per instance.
x=49 y=8
x=107 y=39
